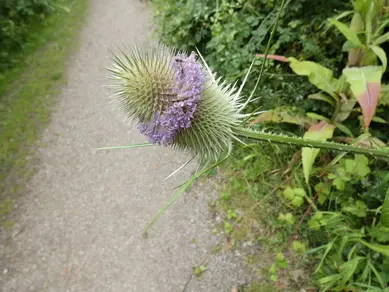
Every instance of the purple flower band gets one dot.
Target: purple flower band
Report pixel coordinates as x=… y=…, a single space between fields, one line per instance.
x=187 y=88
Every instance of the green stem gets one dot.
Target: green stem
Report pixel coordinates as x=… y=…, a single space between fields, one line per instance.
x=283 y=139
x=337 y=110
x=272 y=33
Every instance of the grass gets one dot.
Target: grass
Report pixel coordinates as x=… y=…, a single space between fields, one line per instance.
x=28 y=93
x=250 y=203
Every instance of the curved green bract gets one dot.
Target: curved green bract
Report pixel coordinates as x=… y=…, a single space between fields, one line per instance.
x=211 y=131
x=144 y=78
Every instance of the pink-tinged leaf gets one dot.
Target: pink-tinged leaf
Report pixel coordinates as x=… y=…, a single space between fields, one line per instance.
x=283 y=116
x=321 y=131
x=365 y=84
x=274 y=57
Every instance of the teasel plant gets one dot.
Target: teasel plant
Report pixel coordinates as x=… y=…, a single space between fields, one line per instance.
x=177 y=101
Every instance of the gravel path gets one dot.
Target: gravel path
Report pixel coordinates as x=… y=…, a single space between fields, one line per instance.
x=80 y=221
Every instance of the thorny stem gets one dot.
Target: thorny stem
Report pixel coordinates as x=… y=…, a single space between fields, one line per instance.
x=290 y=140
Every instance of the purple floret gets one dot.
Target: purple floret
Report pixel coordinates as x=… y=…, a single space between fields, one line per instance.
x=188 y=87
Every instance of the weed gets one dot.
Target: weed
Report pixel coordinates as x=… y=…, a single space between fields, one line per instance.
x=199 y=270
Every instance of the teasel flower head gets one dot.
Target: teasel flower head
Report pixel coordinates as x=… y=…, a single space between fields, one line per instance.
x=176 y=100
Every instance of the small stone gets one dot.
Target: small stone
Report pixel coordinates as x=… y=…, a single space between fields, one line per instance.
x=5 y=271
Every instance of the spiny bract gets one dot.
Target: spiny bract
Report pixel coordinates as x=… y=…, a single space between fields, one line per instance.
x=176 y=100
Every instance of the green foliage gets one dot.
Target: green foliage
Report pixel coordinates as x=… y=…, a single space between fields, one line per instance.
x=362 y=83
x=280 y=263
x=230 y=33
x=288 y=218
x=341 y=211
x=294 y=196
x=16 y=17
x=351 y=195
x=347 y=229
x=299 y=247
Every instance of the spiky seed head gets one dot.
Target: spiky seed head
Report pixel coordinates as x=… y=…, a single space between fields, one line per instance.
x=176 y=100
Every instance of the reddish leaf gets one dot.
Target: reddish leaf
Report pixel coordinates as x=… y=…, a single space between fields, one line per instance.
x=283 y=116
x=365 y=83
x=368 y=101
x=274 y=57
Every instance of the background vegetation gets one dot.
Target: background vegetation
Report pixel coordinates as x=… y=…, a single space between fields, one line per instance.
x=324 y=215
x=36 y=37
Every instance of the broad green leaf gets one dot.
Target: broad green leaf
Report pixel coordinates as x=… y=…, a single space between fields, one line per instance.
x=300 y=192
x=359 y=209
x=381 y=55
x=288 y=218
x=299 y=247
x=362 y=168
x=350 y=165
x=379 y=233
x=316 y=116
x=318 y=75
x=280 y=257
x=369 y=58
x=283 y=116
x=341 y=86
x=273 y=268
x=382 y=249
x=345 y=110
x=344 y=129
x=321 y=131
x=357 y=24
x=352 y=36
x=323 y=189
x=322 y=97
x=339 y=184
x=297 y=201
x=348 y=46
x=288 y=193
x=365 y=83
x=385 y=211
